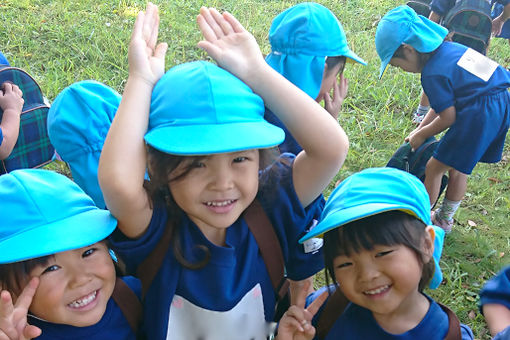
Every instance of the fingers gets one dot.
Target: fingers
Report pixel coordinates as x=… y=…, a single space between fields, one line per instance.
x=7 y=327
x=153 y=25
x=160 y=50
x=31 y=332
x=225 y=26
x=6 y=305
x=234 y=23
x=317 y=303
x=26 y=297
x=302 y=294
x=297 y=319
x=213 y=29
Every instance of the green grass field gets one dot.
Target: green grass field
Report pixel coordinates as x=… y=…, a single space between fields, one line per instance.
x=64 y=41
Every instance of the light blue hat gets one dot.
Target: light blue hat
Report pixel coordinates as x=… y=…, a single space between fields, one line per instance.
x=374 y=191
x=403 y=25
x=44 y=213
x=301 y=38
x=199 y=108
x=78 y=122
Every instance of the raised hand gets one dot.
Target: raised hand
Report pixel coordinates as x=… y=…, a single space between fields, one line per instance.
x=333 y=105
x=11 y=97
x=296 y=322
x=13 y=318
x=146 y=59
x=229 y=43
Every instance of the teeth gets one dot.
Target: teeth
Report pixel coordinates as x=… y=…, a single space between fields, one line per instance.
x=84 y=301
x=219 y=204
x=376 y=291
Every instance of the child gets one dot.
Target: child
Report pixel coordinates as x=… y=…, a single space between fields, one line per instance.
x=379 y=251
x=206 y=141
x=495 y=304
x=56 y=271
x=468 y=96
x=11 y=104
x=309 y=48
x=78 y=122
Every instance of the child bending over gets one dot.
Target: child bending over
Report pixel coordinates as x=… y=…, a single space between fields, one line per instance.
x=379 y=252
x=56 y=272
x=468 y=96
x=200 y=130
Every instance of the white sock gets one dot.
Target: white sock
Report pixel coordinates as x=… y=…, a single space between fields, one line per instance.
x=448 y=209
x=422 y=110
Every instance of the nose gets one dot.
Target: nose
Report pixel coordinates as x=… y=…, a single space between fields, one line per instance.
x=222 y=178
x=367 y=272
x=79 y=276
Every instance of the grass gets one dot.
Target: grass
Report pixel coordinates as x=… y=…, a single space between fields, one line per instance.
x=61 y=42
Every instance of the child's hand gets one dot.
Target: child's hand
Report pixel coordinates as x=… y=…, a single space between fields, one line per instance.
x=13 y=318
x=146 y=59
x=497 y=25
x=228 y=42
x=415 y=139
x=11 y=98
x=296 y=322
x=334 y=105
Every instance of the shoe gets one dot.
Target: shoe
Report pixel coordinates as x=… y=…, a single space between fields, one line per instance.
x=446 y=225
x=417 y=117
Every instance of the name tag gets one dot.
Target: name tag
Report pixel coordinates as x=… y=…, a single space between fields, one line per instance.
x=477 y=64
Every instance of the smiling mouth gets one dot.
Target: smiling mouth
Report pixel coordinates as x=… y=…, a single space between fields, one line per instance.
x=219 y=203
x=377 y=290
x=84 y=301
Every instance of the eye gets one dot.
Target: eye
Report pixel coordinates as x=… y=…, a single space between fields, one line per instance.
x=88 y=252
x=240 y=159
x=383 y=253
x=51 y=268
x=344 y=265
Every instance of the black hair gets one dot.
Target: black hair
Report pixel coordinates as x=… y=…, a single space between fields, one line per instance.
x=332 y=62
x=161 y=167
x=386 y=229
x=422 y=57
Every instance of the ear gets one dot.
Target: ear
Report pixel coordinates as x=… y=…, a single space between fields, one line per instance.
x=408 y=49
x=428 y=243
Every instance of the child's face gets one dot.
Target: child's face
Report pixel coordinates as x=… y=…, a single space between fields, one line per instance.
x=329 y=77
x=75 y=286
x=384 y=280
x=409 y=61
x=215 y=193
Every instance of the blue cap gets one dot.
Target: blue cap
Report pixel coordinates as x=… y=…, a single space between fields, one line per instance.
x=301 y=38
x=78 y=122
x=374 y=191
x=44 y=213
x=199 y=108
x=402 y=25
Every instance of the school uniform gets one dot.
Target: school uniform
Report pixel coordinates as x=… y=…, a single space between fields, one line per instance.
x=497 y=291
x=358 y=323
x=113 y=324
x=232 y=296
x=442 y=7
x=482 y=105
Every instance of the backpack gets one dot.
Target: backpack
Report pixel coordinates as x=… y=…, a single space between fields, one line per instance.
x=415 y=161
x=421 y=7
x=470 y=23
x=33 y=148
x=129 y=304
x=262 y=230
x=337 y=303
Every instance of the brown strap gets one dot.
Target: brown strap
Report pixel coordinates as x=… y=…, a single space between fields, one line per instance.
x=148 y=269
x=128 y=303
x=453 y=324
x=270 y=248
x=335 y=306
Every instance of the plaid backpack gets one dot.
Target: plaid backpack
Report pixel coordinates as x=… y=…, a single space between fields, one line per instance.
x=470 y=23
x=415 y=161
x=33 y=148
x=421 y=7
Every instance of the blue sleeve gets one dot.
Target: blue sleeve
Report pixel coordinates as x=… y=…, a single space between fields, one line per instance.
x=1 y=136
x=497 y=289
x=439 y=90
x=289 y=218
x=441 y=7
x=134 y=251
x=504 y=3
x=503 y=335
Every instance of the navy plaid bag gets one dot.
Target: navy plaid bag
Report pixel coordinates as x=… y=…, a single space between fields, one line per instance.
x=421 y=7
x=470 y=23
x=33 y=148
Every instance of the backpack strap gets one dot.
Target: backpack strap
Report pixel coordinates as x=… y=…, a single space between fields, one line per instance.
x=453 y=324
x=148 y=269
x=128 y=303
x=335 y=306
x=269 y=245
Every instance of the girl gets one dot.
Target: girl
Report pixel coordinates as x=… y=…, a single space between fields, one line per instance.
x=379 y=251
x=55 y=264
x=468 y=96
x=206 y=140
x=309 y=48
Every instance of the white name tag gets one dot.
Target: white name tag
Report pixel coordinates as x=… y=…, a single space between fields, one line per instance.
x=314 y=244
x=477 y=64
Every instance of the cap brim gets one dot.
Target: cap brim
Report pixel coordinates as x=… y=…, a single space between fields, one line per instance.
x=81 y=230
x=347 y=215
x=210 y=139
